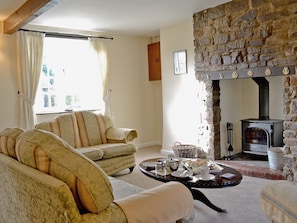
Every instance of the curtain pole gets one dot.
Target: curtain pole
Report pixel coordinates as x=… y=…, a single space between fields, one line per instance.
x=66 y=35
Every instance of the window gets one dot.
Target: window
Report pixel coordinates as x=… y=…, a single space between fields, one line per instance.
x=69 y=78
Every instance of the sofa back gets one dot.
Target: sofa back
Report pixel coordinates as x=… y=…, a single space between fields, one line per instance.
x=64 y=126
x=79 y=129
x=50 y=154
x=92 y=128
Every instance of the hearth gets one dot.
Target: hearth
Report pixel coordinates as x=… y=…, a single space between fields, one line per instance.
x=260 y=134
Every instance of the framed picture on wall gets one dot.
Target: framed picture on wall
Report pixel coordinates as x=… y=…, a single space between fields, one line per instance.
x=180 y=62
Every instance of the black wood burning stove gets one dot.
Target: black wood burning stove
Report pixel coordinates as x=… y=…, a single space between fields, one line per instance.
x=260 y=134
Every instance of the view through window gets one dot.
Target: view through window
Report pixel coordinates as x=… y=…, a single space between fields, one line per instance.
x=69 y=78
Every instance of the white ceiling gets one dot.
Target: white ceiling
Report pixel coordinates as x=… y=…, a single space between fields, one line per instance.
x=133 y=17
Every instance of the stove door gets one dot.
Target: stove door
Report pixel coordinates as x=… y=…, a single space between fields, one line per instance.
x=256 y=139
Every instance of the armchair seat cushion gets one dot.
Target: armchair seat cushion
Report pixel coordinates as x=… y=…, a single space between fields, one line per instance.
x=92 y=152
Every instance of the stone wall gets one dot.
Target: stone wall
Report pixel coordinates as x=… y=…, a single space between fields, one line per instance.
x=290 y=128
x=244 y=39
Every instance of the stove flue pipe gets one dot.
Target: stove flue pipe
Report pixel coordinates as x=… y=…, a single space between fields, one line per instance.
x=263 y=97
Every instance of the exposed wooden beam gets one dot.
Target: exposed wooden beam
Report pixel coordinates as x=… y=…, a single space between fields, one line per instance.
x=26 y=13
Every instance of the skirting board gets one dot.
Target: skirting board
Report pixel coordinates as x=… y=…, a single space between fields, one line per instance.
x=147 y=144
x=156 y=143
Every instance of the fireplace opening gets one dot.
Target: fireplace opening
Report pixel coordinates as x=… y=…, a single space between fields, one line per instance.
x=258 y=134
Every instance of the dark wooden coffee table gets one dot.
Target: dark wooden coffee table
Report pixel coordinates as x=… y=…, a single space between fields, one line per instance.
x=194 y=183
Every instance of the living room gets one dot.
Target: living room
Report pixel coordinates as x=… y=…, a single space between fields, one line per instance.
x=163 y=112
x=161 y=101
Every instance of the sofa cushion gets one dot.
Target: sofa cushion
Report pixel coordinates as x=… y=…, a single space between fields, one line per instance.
x=8 y=139
x=117 y=149
x=64 y=126
x=92 y=153
x=92 y=128
x=48 y=153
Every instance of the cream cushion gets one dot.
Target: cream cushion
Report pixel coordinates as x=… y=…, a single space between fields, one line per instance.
x=64 y=126
x=92 y=128
x=117 y=149
x=48 y=153
x=176 y=201
x=8 y=139
x=279 y=201
x=92 y=153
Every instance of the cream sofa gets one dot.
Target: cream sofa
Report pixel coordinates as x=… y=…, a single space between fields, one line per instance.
x=94 y=136
x=44 y=179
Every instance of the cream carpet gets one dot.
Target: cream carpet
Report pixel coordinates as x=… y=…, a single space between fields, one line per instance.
x=242 y=201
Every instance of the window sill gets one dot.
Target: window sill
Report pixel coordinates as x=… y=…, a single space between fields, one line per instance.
x=66 y=111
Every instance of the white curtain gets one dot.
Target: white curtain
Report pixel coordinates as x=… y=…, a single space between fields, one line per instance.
x=100 y=46
x=30 y=49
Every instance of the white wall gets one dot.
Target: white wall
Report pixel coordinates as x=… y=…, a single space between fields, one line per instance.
x=8 y=84
x=136 y=102
x=180 y=102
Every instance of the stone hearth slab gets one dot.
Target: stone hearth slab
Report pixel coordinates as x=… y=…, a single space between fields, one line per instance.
x=253 y=171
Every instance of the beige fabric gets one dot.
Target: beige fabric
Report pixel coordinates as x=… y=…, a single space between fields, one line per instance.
x=103 y=128
x=8 y=139
x=91 y=127
x=117 y=149
x=88 y=129
x=82 y=129
x=107 y=121
x=279 y=201
x=48 y=153
x=64 y=126
x=120 y=135
x=116 y=164
x=92 y=153
x=31 y=196
x=69 y=129
x=163 y=204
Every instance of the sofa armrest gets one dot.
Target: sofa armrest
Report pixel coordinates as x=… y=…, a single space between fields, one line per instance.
x=168 y=202
x=279 y=201
x=120 y=135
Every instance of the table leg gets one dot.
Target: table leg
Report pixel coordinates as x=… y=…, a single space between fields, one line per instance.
x=198 y=195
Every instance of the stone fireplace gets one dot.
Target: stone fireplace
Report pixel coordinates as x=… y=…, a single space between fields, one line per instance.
x=248 y=39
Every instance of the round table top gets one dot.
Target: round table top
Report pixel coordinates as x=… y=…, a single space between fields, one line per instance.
x=218 y=181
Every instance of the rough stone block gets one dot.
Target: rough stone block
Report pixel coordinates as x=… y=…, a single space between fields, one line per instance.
x=293 y=80
x=278 y=3
x=215 y=13
x=259 y=3
x=221 y=38
x=237 y=6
